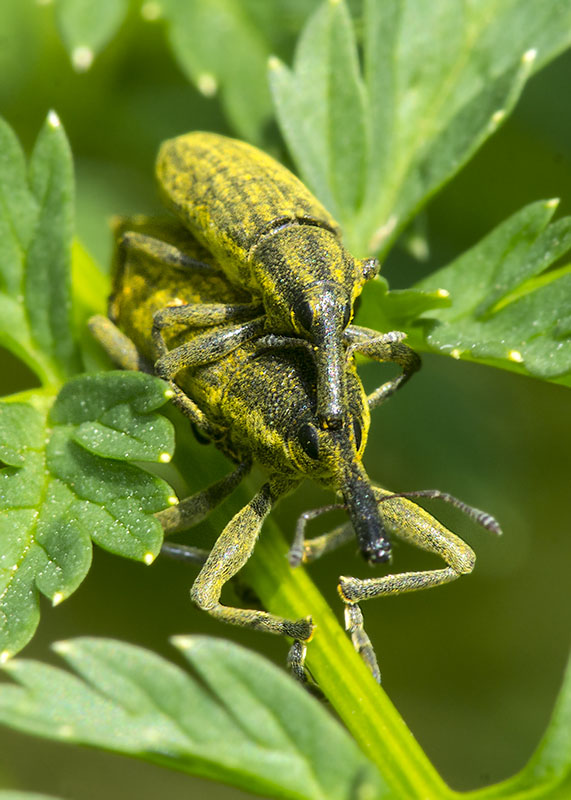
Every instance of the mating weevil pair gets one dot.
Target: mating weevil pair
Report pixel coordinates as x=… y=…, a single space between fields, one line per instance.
x=261 y=397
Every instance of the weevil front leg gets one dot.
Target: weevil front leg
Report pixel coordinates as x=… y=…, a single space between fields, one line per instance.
x=207 y=347
x=124 y=353
x=199 y=315
x=412 y=524
x=231 y=551
x=195 y=508
x=383 y=347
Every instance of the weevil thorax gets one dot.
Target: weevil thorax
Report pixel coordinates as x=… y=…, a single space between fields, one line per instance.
x=310 y=283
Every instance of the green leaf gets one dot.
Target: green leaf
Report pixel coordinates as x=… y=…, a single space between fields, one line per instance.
x=386 y=310
x=508 y=307
x=87 y=25
x=437 y=80
x=243 y=722
x=36 y=224
x=67 y=481
x=225 y=44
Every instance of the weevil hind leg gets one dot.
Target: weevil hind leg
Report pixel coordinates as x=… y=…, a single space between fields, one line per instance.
x=386 y=347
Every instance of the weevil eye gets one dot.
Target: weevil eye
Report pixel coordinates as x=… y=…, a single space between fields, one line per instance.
x=358 y=433
x=304 y=314
x=308 y=438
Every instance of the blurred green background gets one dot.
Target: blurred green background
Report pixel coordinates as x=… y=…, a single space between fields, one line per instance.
x=474 y=667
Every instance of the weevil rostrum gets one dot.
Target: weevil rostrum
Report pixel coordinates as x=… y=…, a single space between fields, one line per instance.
x=259 y=402
x=272 y=237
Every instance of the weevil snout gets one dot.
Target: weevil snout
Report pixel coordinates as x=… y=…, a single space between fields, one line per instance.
x=323 y=314
x=361 y=503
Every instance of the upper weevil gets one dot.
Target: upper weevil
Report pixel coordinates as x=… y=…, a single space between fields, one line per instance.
x=270 y=235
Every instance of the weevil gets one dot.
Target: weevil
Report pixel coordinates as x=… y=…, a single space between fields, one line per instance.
x=259 y=402
x=272 y=237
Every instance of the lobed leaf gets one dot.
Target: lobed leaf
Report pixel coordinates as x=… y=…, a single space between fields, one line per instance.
x=509 y=306
x=243 y=722
x=375 y=144
x=68 y=480
x=225 y=44
x=36 y=222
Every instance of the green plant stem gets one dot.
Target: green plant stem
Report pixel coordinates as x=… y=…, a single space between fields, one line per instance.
x=341 y=674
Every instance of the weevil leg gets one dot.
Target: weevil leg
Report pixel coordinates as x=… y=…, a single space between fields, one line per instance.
x=207 y=347
x=184 y=552
x=484 y=519
x=412 y=524
x=354 y=625
x=199 y=315
x=383 y=347
x=118 y=346
x=319 y=545
x=161 y=251
x=124 y=353
x=231 y=551
x=195 y=508
x=296 y=551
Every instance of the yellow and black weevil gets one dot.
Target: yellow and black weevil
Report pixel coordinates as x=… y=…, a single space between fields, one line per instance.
x=260 y=403
x=272 y=237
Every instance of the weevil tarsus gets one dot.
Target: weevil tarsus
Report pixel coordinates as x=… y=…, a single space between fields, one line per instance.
x=385 y=347
x=355 y=627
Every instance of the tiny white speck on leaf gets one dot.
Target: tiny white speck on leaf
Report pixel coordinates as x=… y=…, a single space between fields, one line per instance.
x=148 y=558
x=529 y=56
x=498 y=116
x=274 y=63
x=182 y=642
x=168 y=394
x=207 y=84
x=58 y=598
x=456 y=353
x=553 y=203
x=173 y=500
x=443 y=293
x=5 y=656
x=164 y=458
x=82 y=58
x=53 y=120
x=151 y=11
x=62 y=647
x=515 y=355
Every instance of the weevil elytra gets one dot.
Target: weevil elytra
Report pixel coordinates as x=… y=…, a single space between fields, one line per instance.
x=270 y=235
x=260 y=402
